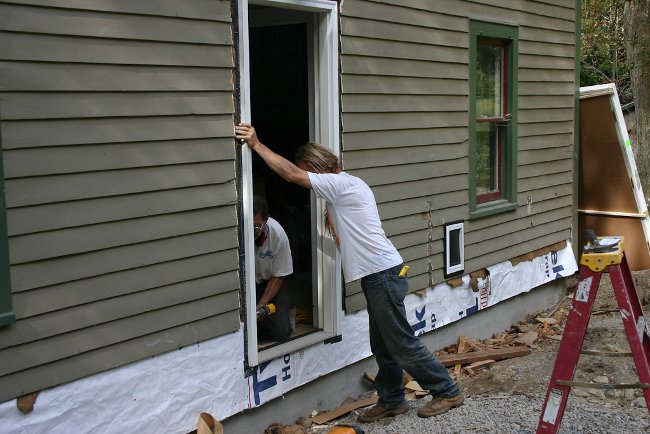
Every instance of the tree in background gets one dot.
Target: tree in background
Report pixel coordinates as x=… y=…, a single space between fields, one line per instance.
x=603 y=48
x=615 y=47
x=637 y=43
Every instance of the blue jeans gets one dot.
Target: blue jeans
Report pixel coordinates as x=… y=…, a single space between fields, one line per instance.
x=395 y=346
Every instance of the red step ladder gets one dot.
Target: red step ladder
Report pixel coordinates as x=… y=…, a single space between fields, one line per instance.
x=607 y=253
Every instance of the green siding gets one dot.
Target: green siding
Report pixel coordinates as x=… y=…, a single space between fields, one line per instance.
x=120 y=183
x=120 y=166
x=405 y=130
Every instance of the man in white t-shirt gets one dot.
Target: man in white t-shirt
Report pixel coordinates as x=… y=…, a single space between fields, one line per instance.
x=272 y=263
x=367 y=254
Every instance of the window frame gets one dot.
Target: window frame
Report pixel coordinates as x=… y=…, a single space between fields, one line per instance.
x=7 y=315
x=457 y=269
x=507 y=200
x=325 y=103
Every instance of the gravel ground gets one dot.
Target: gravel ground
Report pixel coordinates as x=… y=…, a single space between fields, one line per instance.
x=508 y=396
x=510 y=414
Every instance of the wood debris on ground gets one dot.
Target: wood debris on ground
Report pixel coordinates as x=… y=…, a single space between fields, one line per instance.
x=476 y=355
x=460 y=349
x=344 y=409
x=466 y=358
x=469 y=357
x=471 y=369
x=413 y=391
x=26 y=403
x=278 y=428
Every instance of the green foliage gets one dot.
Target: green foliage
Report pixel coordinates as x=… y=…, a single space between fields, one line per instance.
x=602 y=46
x=488 y=79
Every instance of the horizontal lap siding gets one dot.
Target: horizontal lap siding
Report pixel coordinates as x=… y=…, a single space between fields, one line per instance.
x=120 y=183
x=405 y=103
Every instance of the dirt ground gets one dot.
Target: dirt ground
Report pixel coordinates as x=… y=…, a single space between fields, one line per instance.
x=529 y=375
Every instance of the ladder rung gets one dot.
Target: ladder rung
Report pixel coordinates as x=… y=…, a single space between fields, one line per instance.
x=606 y=386
x=606 y=353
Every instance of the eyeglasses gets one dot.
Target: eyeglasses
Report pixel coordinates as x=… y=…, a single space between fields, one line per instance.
x=259 y=229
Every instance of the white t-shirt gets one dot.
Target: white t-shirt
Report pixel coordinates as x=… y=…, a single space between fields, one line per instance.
x=351 y=205
x=273 y=257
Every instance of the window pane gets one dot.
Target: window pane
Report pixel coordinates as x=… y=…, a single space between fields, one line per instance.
x=488 y=80
x=454 y=247
x=487 y=153
x=489 y=104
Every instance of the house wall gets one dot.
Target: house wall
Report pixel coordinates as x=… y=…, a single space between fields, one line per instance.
x=116 y=123
x=405 y=103
x=120 y=183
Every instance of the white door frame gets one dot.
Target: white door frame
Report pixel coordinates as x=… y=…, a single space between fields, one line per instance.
x=327 y=262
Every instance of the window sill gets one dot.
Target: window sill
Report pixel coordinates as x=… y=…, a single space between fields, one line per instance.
x=294 y=345
x=491 y=208
x=7 y=318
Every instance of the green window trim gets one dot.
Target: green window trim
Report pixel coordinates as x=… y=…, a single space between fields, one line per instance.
x=7 y=315
x=508 y=184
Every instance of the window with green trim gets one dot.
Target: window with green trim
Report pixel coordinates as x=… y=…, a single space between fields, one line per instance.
x=6 y=312
x=493 y=118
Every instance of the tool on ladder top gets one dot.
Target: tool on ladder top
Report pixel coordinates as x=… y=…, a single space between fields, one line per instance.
x=601 y=253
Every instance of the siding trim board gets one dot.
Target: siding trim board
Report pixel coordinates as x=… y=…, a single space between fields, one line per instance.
x=576 y=130
x=87 y=104
x=358 y=45
x=55 y=160
x=96 y=336
x=112 y=309
x=32 y=275
x=82 y=239
x=200 y=10
x=106 y=358
x=101 y=51
x=114 y=285
x=83 y=212
x=379 y=11
x=75 y=186
x=521 y=13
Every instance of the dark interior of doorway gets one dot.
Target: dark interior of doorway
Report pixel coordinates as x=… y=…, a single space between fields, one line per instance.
x=280 y=113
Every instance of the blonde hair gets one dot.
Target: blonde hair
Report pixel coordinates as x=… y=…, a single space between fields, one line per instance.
x=317 y=157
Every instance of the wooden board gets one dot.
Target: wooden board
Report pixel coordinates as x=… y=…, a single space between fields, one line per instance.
x=636 y=245
x=467 y=358
x=344 y=409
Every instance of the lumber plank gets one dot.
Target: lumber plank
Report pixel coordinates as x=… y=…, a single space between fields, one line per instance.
x=497 y=354
x=344 y=409
x=461 y=349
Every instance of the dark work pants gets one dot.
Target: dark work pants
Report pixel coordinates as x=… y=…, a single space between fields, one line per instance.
x=277 y=326
x=395 y=346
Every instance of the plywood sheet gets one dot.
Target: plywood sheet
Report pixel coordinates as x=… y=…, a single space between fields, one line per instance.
x=636 y=248
x=611 y=201
x=604 y=181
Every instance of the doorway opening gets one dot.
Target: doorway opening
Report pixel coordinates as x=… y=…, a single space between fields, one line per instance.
x=288 y=54
x=279 y=87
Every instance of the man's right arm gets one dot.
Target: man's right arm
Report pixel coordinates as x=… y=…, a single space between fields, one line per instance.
x=283 y=167
x=280 y=165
